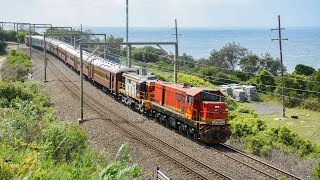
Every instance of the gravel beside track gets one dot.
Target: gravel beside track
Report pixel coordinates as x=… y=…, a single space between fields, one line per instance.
x=105 y=136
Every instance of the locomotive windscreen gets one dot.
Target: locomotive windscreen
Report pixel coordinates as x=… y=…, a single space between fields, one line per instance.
x=210 y=96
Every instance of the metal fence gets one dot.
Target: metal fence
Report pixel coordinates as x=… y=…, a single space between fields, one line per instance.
x=160 y=175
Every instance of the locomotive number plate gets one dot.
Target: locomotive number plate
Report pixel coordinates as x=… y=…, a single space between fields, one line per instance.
x=218 y=122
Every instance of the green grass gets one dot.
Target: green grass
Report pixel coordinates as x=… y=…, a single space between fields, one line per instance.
x=307 y=123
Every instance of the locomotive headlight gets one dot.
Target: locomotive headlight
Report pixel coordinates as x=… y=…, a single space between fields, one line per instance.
x=217 y=107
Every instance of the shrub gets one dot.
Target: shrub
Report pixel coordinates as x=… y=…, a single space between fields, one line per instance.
x=258 y=144
x=3 y=46
x=265 y=78
x=161 y=77
x=316 y=173
x=16 y=67
x=312 y=104
x=193 y=81
x=246 y=124
x=63 y=140
x=120 y=169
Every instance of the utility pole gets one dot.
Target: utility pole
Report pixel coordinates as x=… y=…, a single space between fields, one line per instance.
x=30 y=40
x=17 y=36
x=177 y=47
x=81 y=84
x=45 y=58
x=128 y=63
x=279 y=29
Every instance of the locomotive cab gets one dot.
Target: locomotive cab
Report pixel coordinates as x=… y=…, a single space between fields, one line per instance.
x=214 y=113
x=212 y=107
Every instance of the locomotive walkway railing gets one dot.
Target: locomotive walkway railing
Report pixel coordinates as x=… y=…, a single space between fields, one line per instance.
x=160 y=175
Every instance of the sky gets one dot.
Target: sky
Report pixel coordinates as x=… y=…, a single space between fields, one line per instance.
x=161 y=13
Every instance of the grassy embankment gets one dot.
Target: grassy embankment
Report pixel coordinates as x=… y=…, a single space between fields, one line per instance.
x=306 y=125
x=34 y=145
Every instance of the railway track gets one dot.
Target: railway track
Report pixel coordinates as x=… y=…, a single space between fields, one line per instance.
x=181 y=159
x=273 y=171
x=135 y=131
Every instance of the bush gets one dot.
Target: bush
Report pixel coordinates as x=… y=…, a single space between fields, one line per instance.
x=30 y=141
x=258 y=144
x=193 y=81
x=16 y=67
x=265 y=78
x=161 y=77
x=64 y=140
x=3 y=46
x=316 y=173
x=246 y=124
x=120 y=168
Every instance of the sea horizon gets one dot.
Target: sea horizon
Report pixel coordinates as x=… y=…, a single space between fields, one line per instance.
x=301 y=48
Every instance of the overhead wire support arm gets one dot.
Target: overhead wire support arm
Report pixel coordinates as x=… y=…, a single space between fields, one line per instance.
x=165 y=53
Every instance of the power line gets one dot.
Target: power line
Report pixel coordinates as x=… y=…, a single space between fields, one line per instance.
x=238 y=81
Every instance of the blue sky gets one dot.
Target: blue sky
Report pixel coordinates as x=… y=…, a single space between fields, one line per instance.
x=161 y=13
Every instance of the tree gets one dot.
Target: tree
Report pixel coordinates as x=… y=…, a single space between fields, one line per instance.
x=250 y=63
x=227 y=57
x=293 y=82
x=266 y=80
x=8 y=35
x=188 y=60
x=3 y=46
x=302 y=69
x=271 y=64
x=113 y=52
x=313 y=84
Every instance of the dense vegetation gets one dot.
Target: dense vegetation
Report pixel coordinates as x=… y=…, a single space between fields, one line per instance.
x=3 y=46
x=12 y=35
x=16 y=67
x=35 y=145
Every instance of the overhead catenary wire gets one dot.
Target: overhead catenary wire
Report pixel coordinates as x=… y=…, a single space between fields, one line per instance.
x=169 y=70
x=141 y=50
x=239 y=81
x=221 y=68
x=301 y=90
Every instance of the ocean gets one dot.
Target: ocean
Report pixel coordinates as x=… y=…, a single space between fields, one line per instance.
x=302 y=47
